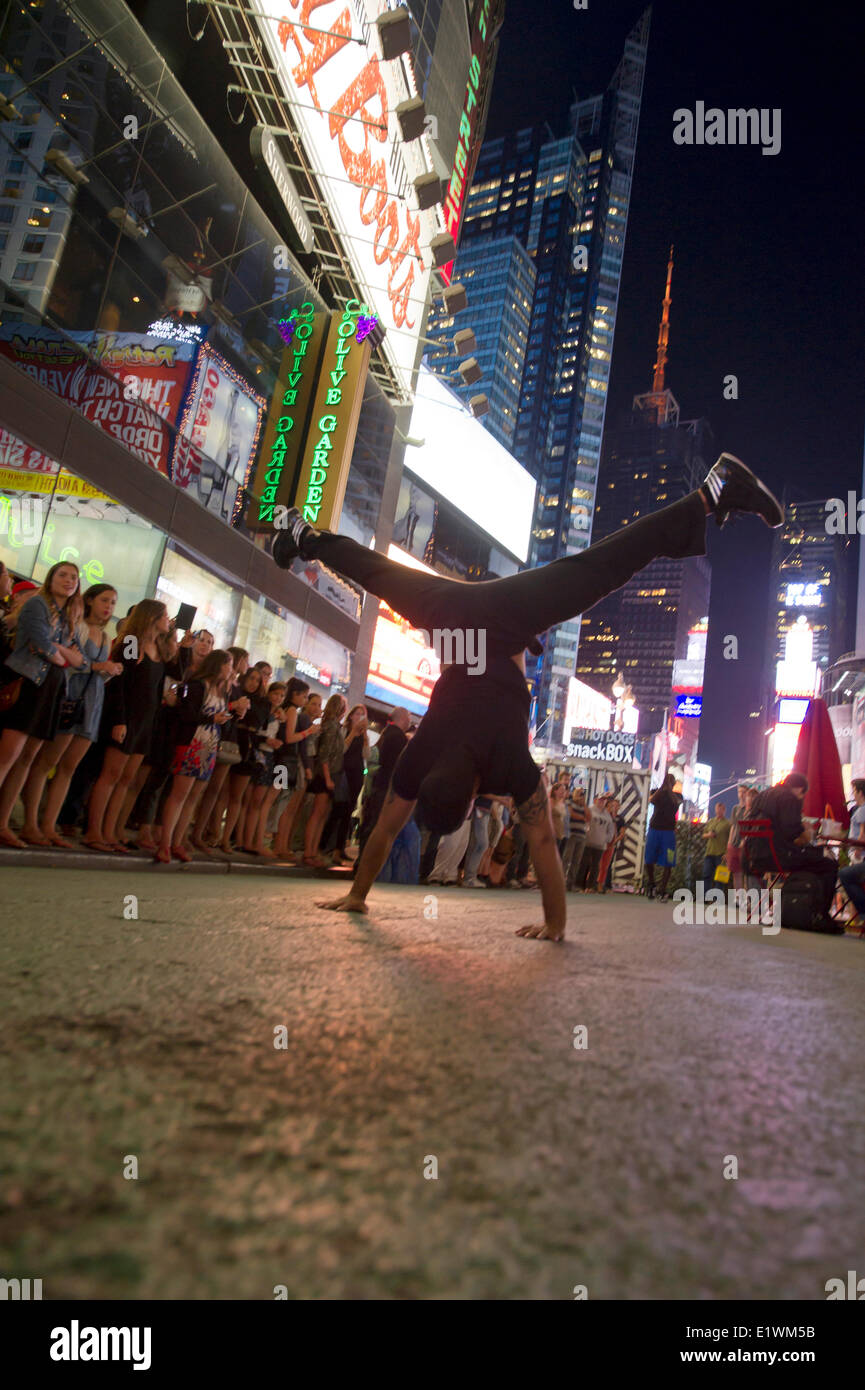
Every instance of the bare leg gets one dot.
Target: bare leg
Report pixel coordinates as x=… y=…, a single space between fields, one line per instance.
x=270 y=795
x=58 y=788
x=101 y=794
x=48 y=756
x=282 y=844
x=180 y=789
x=315 y=826
x=16 y=776
x=130 y=799
x=190 y=807
x=394 y=815
x=208 y=801
x=537 y=823
x=237 y=787
x=118 y=796
x=253 y=812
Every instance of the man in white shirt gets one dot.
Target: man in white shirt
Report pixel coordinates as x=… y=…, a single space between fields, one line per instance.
x=602 y=830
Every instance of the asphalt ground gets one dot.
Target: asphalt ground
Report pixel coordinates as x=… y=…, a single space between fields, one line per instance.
x=425 y=1039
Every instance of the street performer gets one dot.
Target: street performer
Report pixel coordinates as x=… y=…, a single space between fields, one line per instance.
x=474 y=737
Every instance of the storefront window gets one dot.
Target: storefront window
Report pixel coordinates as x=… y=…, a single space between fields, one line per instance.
x=108 y=543
x=262 y=631
x=217 y=605
x=47 y=514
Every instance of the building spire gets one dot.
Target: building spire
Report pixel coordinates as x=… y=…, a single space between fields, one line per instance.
x=658 y=384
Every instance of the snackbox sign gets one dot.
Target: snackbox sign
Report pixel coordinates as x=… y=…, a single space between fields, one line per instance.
x=342 y=99
x=602 y=745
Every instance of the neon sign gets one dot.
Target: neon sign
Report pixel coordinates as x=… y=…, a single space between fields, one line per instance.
x=174 y=332
x=336 y=410
x=463 y=163
x=296 y=332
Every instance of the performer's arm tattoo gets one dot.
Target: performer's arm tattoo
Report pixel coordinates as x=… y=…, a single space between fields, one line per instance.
x=534 y=811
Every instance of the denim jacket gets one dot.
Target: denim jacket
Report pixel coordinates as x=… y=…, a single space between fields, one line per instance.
x=36 y=638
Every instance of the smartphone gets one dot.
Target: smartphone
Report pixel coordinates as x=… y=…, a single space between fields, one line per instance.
x=185 y=617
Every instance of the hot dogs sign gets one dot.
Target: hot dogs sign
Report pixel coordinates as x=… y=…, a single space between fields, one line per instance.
x=343 y=100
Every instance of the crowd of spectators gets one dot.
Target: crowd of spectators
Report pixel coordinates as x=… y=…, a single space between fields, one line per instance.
x=154 y=741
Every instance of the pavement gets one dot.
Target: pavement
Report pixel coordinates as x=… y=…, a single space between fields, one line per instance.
x=394 y=1107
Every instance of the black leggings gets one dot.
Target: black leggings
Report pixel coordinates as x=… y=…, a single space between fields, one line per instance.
x=511 y=611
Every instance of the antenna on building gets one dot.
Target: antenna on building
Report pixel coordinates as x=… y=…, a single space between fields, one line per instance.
x=660 y=403
x=658 y=383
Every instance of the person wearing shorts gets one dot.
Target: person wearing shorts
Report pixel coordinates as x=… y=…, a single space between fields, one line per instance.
x=474 y=737
x=661 y=835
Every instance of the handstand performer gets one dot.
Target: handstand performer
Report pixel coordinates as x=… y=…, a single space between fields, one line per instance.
x=474 y=736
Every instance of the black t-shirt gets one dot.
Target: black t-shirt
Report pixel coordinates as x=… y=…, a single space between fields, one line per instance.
x=784 y=809
x=666 y=807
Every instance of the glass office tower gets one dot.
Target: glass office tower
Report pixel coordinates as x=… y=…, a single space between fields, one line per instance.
x=500 y=279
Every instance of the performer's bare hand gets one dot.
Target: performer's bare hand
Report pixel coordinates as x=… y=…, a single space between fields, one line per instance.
x=542 y=933
x=346 y=904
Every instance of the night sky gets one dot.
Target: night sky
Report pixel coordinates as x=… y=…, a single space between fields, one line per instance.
x=768 y=280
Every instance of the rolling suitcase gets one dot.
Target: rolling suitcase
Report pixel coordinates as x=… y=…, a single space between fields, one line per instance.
x=800 y=902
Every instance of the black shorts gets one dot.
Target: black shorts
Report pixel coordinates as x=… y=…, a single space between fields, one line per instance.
x=495 y=745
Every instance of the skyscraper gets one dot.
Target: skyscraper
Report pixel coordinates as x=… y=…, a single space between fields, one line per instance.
x=499 y=277
x=649 y=459
x=565 y=200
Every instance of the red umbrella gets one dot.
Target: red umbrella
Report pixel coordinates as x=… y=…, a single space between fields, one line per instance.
x=817 y=756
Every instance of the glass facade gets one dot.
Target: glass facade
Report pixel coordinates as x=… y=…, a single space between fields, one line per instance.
x=500 y=280
x=142 y=283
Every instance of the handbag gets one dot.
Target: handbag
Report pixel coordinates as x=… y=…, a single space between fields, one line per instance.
x=722 y=874
x=228 y=752
x=9 y=694
x=72 y=710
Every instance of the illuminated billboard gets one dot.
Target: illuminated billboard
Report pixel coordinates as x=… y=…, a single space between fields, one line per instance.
x=586 y=708
x=797 y=674
x=689 y=706
x=803 y=596
x=402 y=668
x=462 y=461
x=343 y=99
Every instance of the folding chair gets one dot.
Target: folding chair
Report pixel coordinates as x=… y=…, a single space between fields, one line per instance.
x=761 y=831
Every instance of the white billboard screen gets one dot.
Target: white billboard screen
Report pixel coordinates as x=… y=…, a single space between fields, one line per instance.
x=462 y=461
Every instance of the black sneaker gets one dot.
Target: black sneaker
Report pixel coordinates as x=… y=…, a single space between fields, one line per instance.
x=650 y=891
x=292 y=539
x=732 y=489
